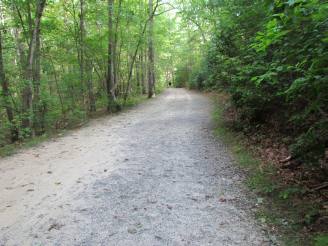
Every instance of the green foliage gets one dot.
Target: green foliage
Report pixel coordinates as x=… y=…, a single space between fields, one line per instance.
x=181 y=77
x=63 y=94
x=272 y=57
x=279 y=205
x=288 y=192
x=321 y=240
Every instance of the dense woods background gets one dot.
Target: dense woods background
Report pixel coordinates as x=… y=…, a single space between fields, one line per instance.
x=62 y=60
x=271 y=56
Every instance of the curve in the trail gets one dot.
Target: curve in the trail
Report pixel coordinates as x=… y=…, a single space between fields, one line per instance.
x=154 y=175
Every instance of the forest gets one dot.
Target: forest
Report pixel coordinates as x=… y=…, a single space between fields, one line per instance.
x=64 y=61
x=61 y=61
x=271 y=57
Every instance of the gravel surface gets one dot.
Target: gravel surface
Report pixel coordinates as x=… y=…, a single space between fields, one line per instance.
x=153 y=175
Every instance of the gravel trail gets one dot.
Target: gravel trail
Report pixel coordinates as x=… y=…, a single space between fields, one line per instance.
x=153 y=175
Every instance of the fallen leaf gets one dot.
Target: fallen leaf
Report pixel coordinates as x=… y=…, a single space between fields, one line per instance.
x=222 y=199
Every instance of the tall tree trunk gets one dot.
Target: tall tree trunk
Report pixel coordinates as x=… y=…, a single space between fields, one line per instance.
x=116 y=65
x=57 y=87
x=143 y=69
x=85 y=66
x=20 y=50
x=92 y=101
x=138 y=75
x=110 y=79
x=151 y=74
x=118 y=87
x=6 y=97
x=28 y=76
x=81 y=46
x=151 y=66
x=38 y=107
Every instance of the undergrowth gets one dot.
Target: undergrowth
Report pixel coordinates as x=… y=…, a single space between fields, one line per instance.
x=70 y=123
x=284 y=208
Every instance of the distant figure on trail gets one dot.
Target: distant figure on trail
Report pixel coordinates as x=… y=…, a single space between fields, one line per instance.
x=170 y=84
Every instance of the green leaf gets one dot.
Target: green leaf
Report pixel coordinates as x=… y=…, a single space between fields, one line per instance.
x=291 y=2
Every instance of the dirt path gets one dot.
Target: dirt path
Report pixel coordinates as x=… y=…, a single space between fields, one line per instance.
x=152 y=176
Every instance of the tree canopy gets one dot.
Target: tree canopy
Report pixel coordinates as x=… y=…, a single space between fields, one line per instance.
x=63 y=60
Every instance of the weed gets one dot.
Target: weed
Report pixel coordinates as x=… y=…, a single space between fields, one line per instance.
x=280 y=205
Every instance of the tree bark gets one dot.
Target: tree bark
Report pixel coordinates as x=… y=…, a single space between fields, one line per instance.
x=6 y=97
x=57 y=87
x=92 y=100
x=38 y=107
x=29 y=75
x=110 y=79
x=82 y=42
x=20 y=50
x=138 y=74
x=151 y=66
x=152 y=11
x=143 y=68
x=85 y=65
x=116 y=64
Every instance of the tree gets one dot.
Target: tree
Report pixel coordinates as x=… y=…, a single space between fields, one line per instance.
x=60 y=69
x=110 y=80
x=85 y=64
x=30 y=73
x=6 y=96
x=151 y=65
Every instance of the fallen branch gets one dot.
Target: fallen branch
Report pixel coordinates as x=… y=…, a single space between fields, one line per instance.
x=289 y=158
x=290 y=163
x=320 y=187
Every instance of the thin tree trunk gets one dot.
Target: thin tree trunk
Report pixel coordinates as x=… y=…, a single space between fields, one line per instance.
x=114 y=55
x=57 y=87
x=85 y=66
x=6 y=97
x=29 y=19
x=118 y=85
x=28 y=76
x=142 y=73
x=152 y=11
x=38 y=108
x=77 y=41
x=20 y=51
x=81 y=46
x=151 y=68
x=110 y=80
x=92 y=101
x=138 y=75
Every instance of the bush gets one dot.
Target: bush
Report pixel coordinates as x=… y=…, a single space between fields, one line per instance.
x=274 y=63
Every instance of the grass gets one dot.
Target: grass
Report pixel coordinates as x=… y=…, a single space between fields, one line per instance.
x=132 y=101
x=278 y=206
x=11 y=149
